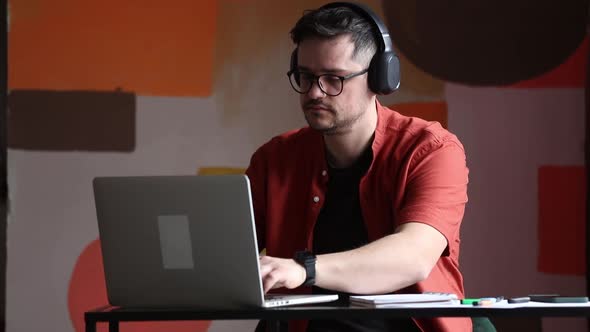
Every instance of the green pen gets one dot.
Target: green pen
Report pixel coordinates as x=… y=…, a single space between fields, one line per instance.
x=469 y=301
x=482 y=299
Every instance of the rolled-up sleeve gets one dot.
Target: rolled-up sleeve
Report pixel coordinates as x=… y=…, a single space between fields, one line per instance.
x=436 y=192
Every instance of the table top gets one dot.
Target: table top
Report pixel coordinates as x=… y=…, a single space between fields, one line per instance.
x=108 y=313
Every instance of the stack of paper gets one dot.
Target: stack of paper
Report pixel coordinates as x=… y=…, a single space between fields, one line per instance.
x=403 y=300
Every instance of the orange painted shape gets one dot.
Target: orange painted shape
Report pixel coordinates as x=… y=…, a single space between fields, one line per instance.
x=432 y=111
x=220 y=170
x=562 y=220
x=87 y=290
x=149 y=47
x=570 y=74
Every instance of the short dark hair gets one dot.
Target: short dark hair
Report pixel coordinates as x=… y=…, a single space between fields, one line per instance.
x=331 y=22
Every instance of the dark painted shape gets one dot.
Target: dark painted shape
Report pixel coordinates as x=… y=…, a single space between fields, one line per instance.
x=587 y=164
x=71 y=120
x=486 y=42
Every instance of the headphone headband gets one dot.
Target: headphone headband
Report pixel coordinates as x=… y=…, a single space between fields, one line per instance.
x=369 y=15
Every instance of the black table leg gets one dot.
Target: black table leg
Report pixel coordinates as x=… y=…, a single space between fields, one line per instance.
x=90 y=325
x=113 y=326
x=277 y=326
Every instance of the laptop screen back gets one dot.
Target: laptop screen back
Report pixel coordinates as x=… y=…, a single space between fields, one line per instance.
x=178 y=241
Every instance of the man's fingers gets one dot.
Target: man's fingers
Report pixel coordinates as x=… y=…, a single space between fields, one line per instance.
x=270 y=281
x=264 y=259
x=264 y=270
x=280 y=272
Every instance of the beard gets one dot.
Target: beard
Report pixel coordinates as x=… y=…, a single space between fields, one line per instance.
x=330 y=121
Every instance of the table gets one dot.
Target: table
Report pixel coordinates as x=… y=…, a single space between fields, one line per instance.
x=277 y=316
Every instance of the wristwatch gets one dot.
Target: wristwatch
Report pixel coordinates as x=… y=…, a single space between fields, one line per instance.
x=307 y=260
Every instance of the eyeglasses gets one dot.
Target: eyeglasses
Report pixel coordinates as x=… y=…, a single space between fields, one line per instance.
x=330 y=84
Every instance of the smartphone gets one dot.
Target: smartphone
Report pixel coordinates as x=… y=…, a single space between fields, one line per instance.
x=555 y=298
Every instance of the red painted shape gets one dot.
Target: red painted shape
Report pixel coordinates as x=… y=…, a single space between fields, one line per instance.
x=562 y=220
x=87 y=291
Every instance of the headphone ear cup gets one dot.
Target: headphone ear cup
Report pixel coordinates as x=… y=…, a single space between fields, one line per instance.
x=384 y=73
x=294 y=64
x=393 y=75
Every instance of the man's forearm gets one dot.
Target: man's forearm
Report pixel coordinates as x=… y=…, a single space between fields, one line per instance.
x=388 y=264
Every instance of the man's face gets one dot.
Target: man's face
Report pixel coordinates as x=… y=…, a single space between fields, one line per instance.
x=338 y=114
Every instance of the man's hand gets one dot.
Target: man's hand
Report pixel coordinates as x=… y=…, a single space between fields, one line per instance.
x=280 y=272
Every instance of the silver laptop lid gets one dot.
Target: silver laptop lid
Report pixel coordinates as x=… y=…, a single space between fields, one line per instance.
x=178 y=241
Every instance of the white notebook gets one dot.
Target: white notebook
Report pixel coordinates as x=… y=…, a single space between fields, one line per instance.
x=388 y=300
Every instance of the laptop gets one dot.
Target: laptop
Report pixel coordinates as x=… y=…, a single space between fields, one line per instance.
x=182 y=241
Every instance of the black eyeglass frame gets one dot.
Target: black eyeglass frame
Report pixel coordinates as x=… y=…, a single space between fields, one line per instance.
x=316 y=80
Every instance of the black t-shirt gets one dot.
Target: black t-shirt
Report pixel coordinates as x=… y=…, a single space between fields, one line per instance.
x=340 y=227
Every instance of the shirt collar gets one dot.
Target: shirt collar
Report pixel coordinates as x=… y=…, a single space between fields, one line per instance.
x=319 y=147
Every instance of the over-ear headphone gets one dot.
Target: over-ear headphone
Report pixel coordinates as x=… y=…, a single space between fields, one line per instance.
x=384 y=69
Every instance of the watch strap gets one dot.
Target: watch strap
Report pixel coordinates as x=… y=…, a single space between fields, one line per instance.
x=308 y=261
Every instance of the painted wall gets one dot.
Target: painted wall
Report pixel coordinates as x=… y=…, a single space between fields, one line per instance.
x=148 y=88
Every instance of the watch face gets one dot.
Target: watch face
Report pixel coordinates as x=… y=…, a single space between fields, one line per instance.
x=304 y=257
x=299 y=255
x=303 y=254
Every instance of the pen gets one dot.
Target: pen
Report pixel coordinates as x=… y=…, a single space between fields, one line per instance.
x=485 y=301
x=482 y=300
x=469 y=301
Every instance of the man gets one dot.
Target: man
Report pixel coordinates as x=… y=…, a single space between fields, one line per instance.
x=366 y=200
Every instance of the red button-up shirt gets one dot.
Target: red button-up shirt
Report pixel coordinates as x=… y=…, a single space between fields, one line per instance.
x=418 y=174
